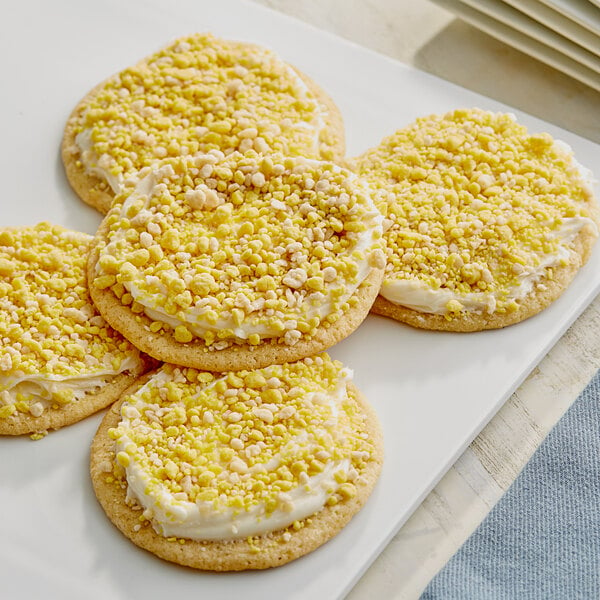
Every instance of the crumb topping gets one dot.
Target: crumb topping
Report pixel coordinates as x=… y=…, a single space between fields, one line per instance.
x=49 y=330
x=248 y=439
x=243 y=247
x=475 y=205
x=198 y=94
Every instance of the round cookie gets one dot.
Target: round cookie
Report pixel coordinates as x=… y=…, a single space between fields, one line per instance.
x=197 y=94
x=486 y=223
x=59 y=360
x=337 y=484
x=263 y=260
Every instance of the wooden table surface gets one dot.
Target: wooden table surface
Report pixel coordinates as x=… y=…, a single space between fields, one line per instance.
x=421 y=34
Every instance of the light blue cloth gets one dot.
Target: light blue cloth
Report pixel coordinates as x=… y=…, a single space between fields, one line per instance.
x=542 y=540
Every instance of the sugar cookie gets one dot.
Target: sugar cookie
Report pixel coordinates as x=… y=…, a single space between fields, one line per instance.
x=488 y=224
x=225 y=263
x=197 y=94
x=59 y=360
x=244 y=470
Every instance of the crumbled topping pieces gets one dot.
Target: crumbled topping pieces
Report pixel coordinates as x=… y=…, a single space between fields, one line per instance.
x=235 y=442
x=268 y=256
x=198 y=94
x=49 y=329
x=473 y=202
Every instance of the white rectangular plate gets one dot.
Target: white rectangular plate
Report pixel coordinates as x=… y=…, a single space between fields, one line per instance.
x=433 y=391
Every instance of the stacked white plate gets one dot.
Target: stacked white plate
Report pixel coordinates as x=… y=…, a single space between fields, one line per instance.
x=562 y=33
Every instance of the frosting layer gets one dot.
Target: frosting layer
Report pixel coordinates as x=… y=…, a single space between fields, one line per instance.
x=479 y=211
x=242 y=248
x=243 y=455
x=197 y=94
x=54 y=346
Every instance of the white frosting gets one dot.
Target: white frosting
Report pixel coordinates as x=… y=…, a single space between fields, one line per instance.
x=91 y=161
x=193 y=317
x=201 y=520
x=321 y=112
x=39 y=388
x=99 y=165
x=587 y=176
x=418 y=296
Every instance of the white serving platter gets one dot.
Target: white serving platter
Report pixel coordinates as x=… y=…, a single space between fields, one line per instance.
x=433 y=391
x=511 y=36
x=503 y=13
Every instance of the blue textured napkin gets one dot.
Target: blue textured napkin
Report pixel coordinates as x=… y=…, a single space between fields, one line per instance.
x=542 y=539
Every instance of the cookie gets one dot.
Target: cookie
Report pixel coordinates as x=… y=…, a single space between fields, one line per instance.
x=197 y=94
x=234 y=471
x=59 y=360
x=487 y=224
x=231 y=262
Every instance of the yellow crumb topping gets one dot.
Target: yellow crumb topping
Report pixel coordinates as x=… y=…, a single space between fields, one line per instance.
x=242 y=247
x=49 y=328
x=474 y=203
x=202 y=93
x=246 y=438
